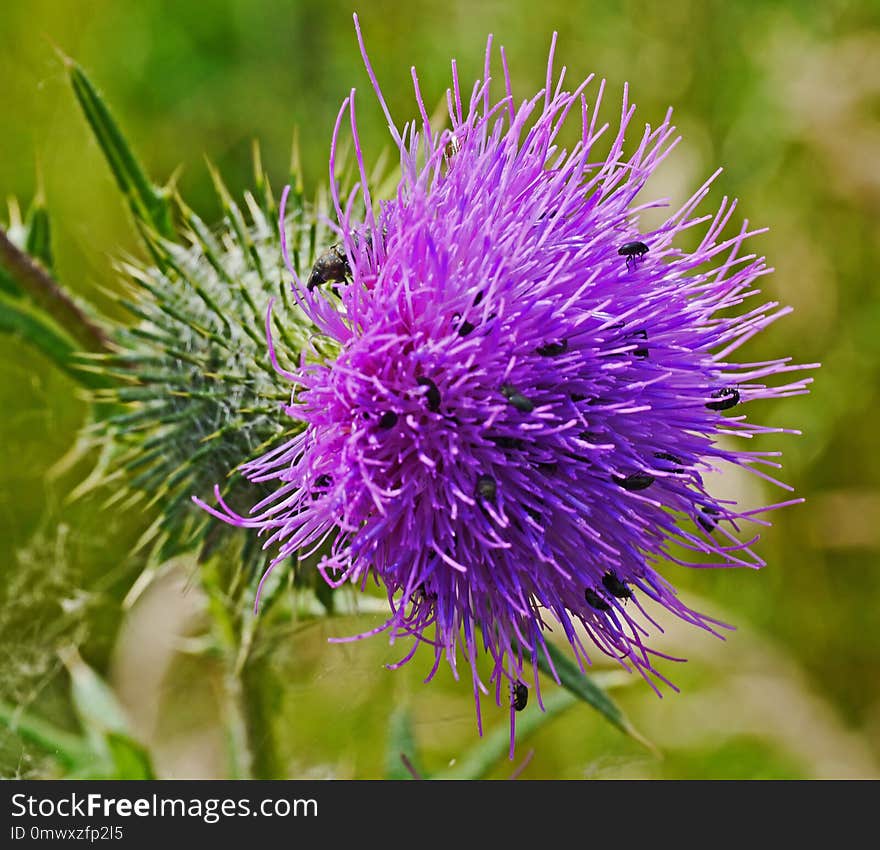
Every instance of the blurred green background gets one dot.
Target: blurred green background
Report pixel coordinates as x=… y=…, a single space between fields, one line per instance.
x=784 y=95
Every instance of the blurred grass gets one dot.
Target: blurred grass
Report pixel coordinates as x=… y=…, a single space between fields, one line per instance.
x=784 y=95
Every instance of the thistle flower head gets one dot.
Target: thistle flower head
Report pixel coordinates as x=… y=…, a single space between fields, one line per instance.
x=529 y=388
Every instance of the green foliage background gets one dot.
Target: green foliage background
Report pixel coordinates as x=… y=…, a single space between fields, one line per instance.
x=784 y=95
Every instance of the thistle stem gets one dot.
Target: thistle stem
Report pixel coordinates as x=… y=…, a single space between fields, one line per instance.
x=51 y=297
x=235 y=725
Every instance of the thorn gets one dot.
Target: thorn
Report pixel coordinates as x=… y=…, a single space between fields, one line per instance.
x=171 y=185
x=68 y=63
x=410 y=767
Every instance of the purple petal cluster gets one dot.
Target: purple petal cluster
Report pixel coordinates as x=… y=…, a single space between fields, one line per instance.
x=529 y=388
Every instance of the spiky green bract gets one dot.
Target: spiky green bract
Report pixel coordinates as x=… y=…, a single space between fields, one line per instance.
x=192 y=385
x=193 y=381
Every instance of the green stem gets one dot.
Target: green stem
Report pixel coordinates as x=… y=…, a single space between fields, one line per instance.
x=236 y=726
x=260 y=697
x=233 y=698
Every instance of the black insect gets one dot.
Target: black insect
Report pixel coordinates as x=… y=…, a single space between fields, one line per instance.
x=615 y=586
x=592 y=437
x=423 y=592
x=707 y=517
x=517 y=399
x=667 y=456
x=388 y=419
x=322 y=482
x=587 y=461
x=596 y=601
x=641 y=351
x=727 y=397
x=331 y=267
x=670 y=458
x=636 y=481
x=632 y=250
x=553 y=349
x=521 y=403
x=463 y=326
x=432 y=395
x=487 y=488
x=519 y=696
x=508 y=442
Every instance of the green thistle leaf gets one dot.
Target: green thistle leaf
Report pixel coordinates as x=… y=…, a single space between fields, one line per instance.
x=96 y=705
x=554 y=663
x=479 y=761
x=401 y=747
x=107 y=751
x=130 y=759
x=30 y=324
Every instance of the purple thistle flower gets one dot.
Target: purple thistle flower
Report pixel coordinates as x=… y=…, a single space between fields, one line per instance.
x=528 y=391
